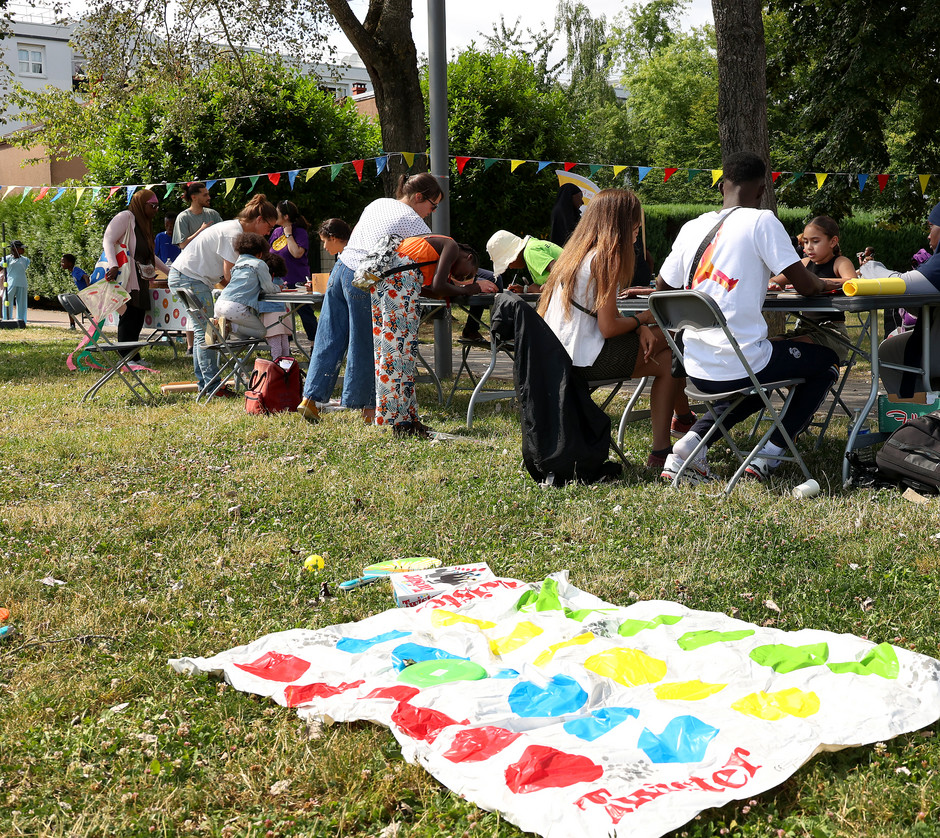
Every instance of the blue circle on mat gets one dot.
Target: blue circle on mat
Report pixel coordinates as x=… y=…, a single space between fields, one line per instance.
x=561 y=695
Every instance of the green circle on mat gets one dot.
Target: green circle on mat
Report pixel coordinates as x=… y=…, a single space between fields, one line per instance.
x=431 y=673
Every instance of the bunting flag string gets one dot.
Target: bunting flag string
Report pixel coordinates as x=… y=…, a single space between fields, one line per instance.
x=461 y=162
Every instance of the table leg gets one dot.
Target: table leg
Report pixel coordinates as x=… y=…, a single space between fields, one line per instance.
x=872 y=398
x=443 y=341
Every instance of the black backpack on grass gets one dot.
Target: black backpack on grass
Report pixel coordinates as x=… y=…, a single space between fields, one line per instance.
x=911 y=455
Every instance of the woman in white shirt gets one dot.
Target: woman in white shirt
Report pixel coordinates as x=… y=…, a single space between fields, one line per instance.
x=579 y=303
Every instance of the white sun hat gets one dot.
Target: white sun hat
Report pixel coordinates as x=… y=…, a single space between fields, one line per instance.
x=503 y=248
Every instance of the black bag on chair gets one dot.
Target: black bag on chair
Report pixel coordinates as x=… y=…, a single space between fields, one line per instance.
x=911 y=455
x=565 y=434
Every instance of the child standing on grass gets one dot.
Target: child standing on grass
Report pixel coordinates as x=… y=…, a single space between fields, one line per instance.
x=820 y=242
x=237 y=306
x=14 y=281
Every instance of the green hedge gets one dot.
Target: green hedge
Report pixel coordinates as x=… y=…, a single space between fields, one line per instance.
x=894 y=245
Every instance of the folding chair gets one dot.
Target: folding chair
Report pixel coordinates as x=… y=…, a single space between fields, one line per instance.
x=233 y=353
x=694 y=311
x=112 y=352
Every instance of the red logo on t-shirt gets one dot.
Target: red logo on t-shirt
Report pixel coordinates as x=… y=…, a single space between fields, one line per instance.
x=706 y=270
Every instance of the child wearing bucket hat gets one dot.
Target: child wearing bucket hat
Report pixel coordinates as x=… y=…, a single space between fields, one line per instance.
x=534 y=255
x=14 y=279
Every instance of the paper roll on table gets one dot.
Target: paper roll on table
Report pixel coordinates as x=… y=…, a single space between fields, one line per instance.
x=916 y=283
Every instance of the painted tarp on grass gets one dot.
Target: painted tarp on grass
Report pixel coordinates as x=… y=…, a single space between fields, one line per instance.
x=572 y=716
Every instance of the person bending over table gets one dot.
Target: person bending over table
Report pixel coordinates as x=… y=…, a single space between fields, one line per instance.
x=441 y=266
x=346 y=315
x=534 y=255
x=749 y=247
x=579 y=303
x=907 y=348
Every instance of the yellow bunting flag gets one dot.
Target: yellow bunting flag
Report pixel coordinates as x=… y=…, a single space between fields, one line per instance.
x=923 y=182
x=312 y=172
x=515 y=164
x=716 y=175
x=78 y=193
x=9 y=190
x=619 y=169
x=229 y=184
x=409 y=158
x=821 y=179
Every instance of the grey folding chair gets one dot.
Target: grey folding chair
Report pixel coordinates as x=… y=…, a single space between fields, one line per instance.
x=694 y=311
x=111 y=352
x=234 y=353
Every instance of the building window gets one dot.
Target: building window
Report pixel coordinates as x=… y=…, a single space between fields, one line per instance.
x=32 y=60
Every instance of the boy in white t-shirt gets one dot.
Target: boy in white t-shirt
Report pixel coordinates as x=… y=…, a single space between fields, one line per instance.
x=750 y=246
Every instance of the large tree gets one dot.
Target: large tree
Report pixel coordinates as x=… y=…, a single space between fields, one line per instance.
x=742 y=82
x=384 y=42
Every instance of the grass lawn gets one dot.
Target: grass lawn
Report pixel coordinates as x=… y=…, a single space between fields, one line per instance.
x=181 y=529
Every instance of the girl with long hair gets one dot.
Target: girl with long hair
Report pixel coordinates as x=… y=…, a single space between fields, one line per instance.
x=579 y=303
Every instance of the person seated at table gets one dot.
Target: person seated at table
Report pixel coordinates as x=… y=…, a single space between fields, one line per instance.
x=820 y=243
x=534 y=255
x=739 y=248
x=906 y=349
x=236 y=309
x=440 y=265
x=471 y=329
x=579 y=303
x=566 y=213
x=274 y=315
x=163 y=242
x=291 y=241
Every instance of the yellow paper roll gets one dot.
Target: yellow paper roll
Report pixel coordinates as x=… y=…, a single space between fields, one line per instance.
x=867 y=287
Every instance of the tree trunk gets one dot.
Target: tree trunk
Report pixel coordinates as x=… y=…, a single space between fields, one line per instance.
x=742 y=83
x=384 y=43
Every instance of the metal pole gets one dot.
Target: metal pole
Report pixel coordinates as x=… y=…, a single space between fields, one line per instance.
x=440 y=164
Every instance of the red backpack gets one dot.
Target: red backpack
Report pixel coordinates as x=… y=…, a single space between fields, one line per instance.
x=274 y=386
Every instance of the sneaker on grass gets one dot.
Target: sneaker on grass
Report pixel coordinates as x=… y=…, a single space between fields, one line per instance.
x=696 y=472
x=760 y=468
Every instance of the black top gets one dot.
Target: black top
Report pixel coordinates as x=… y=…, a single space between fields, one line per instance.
x=824 y=271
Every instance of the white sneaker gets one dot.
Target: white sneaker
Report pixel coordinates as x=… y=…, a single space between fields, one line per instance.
x=697 y=470
x=760 y=468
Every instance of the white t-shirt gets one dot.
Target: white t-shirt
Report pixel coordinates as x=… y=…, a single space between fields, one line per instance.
x=578 y=332
x=384 y=217
x=203 y=258
x=749 y=248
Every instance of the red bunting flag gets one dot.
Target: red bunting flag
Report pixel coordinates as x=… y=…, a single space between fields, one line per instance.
x=42 y=194
x=113 y=190
x=883 y=182
x=274 y=177
x=357 y=165
x=774 y=176
x=461 y=162
x=570 y=166
x=668 y=174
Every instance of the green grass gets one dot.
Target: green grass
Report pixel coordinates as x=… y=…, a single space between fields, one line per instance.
x=181 y=529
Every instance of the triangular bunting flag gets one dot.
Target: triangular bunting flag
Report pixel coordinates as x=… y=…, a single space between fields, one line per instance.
x=335 y=169
x=595 y=168
x=357 y=165
x=619 y=169
x=883 y=182
x=211 y=183
x=409 y=157
x=643 y=171
x=27 y=190
x=169 y=190
x=42 y=194
x=716 y=175
x=693 y=173
x=9 y=190
x=570 y=166
x=152 y=186
x=292 y=176
x=275 y=178
x=542 y=165
x=461 y=162
x=58 y=194
x=130 y=190
x=515 y=164
x=774 y=176
x=380 y=164
x=78 y=193
x=112 y=191
x=862 y=180
x=254 y=182
x=796 y=177
x=668 y=173
x=489 y=162
x=924 y=179
x=821 y=179
x=94 y=192
x=229 y=184
x=314 y=170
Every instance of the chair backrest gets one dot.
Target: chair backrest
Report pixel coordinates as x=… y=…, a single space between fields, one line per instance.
x=73 y=304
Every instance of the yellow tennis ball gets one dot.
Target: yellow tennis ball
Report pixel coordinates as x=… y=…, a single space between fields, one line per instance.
x=36 y=297
x=313 y=562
